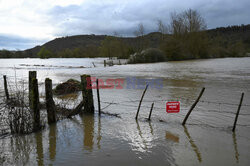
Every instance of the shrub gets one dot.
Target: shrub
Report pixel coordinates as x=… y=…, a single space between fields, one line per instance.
x=44 y=53
x=149 y=55
x=70 y=86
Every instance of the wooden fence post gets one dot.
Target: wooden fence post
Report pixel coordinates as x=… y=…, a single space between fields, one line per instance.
x=105 y=63
x=192 y=107
x=238 y=111
x=140 y=102
x=87 y=94
x=50 y=105
x=35 y=104
x=32 y=75
x=152 y=106
x=6 y=88
x=98 y=97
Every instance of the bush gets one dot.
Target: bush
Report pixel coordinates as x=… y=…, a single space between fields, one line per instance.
x=44 y=53
x=70 y=86
x=173 y=49
x=150 y=55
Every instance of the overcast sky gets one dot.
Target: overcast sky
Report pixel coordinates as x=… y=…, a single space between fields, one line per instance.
x=27 y=23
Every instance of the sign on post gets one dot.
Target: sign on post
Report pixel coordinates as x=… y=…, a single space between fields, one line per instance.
x=173 y=107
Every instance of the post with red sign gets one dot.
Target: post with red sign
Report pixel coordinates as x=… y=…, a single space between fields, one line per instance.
x=173 y=107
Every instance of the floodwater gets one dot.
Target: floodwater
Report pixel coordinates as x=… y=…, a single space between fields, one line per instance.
x=206 y=139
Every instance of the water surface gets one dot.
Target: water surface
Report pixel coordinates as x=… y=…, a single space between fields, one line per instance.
x=92 y=140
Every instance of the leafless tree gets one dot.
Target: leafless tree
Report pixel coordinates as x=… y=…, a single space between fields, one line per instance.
x=193 y=21
x=187 y=21
x=162 y=28
x=139 y=33
x=140 y=30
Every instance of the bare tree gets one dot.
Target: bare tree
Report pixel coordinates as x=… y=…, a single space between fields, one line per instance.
x=177 y=24
x=189 y=40
x=140 y=30
x=116 y=34
x=162 y=28
x=187 y=21
x=193 y=21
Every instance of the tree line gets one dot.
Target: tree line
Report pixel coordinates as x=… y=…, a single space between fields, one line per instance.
x=184 y=37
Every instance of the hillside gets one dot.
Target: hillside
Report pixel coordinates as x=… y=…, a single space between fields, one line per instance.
x=84 y=41
x=220 y=40
x=230 y=34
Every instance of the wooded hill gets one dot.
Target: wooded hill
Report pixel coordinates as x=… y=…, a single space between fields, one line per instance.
x=89 y=44
x=220 y=39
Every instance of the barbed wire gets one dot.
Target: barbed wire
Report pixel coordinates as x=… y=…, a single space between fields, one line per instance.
x=223 y=103
x=155 y=107
x=188 y=100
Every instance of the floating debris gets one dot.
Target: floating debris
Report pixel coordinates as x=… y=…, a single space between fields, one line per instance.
x=70 y=86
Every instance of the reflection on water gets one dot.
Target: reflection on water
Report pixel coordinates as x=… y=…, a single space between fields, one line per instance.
x=88 y=125
x=235 y=147
x=19 y=149
x=172 y=137
x=99 y=136
x=71 y=96
x=195 y=148
x=92 y=140
x=52 y=142
x=151 y=128
x=144 y=143
x=39 y=148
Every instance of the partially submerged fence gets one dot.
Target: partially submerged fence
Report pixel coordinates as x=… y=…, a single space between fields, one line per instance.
x=87 y=104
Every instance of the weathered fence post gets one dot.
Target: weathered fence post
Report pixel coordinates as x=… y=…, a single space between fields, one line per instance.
x=6 y=88
x=192 y=107
x=238 y=111
x=98 y=97
x=35 y=104
x=140 y=102
x=32 y=74
x=50 y=105
x=87 y=94
x=105 y=63
x=152 y=106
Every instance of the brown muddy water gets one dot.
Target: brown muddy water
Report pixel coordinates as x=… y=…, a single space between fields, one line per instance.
x=92 y=140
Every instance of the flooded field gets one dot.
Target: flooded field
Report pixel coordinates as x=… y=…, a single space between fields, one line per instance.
x=207 y=138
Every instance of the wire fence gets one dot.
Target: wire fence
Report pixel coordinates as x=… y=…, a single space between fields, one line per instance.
x=14 y=80
x=123 y=103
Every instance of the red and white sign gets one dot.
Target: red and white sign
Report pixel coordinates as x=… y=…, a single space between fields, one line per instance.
x=173 y=107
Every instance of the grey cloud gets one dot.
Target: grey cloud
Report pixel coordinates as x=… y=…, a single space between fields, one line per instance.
x=123 y=17
x=17 y=43
x=224 y=13
x=107 y=17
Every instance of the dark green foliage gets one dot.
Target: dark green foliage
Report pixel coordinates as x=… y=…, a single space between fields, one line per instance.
x=114 y=47
x=5 y=54
x=188 y=39
x=230 y=41
x=44 y=53
x=172 y=49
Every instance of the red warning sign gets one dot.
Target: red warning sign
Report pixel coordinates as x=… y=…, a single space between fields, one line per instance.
x=173 y=107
